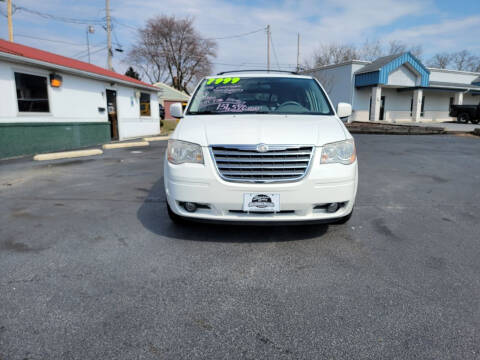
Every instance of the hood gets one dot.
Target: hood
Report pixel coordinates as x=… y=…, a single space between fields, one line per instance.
x=258 y=128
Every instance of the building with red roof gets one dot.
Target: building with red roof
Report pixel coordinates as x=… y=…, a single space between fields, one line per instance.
x=51 y=102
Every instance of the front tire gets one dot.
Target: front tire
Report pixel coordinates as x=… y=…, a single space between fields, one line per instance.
x=463 y=118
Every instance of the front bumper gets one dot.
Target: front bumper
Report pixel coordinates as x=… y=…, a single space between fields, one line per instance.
x=325 y=183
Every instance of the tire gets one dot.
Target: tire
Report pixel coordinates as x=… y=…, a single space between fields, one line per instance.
x=463 y=118
x=176 y=219
x=475 y=121
x=344 y=219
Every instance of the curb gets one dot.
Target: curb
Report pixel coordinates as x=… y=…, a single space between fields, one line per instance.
x=126 y=145
x=156 y=138
x=393 y=129
x=67 y=154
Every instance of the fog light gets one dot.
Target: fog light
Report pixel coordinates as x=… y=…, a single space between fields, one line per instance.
x=331 y=208
x=190 y=207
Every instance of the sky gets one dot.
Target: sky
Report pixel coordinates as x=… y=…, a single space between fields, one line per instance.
x=436 y=25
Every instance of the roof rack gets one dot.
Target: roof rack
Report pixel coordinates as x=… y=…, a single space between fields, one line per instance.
x=258 y=70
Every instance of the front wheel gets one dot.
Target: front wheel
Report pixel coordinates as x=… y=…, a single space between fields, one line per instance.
x=463 y=118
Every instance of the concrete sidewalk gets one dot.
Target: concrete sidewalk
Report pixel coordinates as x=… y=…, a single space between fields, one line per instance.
x=450 y=126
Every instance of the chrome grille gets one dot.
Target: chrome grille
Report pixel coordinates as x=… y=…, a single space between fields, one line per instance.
x=244 y=163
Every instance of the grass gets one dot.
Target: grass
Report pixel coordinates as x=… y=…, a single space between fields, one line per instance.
x=168 y=126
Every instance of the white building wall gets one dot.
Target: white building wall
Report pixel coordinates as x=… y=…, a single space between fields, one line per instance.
x=403 y=76
x=337 y=82
x=78 y=100
x=452 y=76
x=130 y=122
x=469 y=99
x=397 y=105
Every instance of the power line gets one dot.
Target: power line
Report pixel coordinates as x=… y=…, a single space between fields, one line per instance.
x=58 y=18
x=85 y=52
x=51 y=40
x=274 y=52
x=237 y=36
x=91 y=53
x=213 y=38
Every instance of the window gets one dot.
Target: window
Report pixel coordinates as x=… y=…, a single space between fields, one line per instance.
x=145 y=104
x=32 y=93
x=259 y=95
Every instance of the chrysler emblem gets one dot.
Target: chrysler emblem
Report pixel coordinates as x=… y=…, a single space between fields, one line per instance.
x=262 y=148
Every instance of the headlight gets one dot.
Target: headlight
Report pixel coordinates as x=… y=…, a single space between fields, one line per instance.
x=180 y=152
x=342 y=152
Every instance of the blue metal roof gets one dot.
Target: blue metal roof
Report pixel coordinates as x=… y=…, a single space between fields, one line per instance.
x=377 y=72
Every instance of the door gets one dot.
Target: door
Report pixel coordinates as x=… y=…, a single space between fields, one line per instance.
x=382 y=108
x=112 y=113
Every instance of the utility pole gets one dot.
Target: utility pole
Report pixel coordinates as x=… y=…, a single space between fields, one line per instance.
x=10 y=25
x=298 y=52
x=109 y=35
x=268 y=47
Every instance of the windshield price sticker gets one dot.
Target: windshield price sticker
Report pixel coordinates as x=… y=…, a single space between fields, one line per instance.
x=223 y=81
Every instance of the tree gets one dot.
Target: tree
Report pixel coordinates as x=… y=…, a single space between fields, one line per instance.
x=329 y=54
x=440 y=61
x=170 y=50
x=460 y=60
x=334 y=54
x=463 y=60
x=132 y=73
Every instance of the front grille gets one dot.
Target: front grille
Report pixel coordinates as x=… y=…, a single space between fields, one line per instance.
x=243 y=163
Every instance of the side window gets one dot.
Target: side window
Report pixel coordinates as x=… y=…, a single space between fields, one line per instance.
x=145 y=104
x=32 y=93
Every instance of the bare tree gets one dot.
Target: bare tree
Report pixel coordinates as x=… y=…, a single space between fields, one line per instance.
x=169 y=49
x=463 y=60
x=440 y=61
x=371 y=51
x=329 y=54
x=334 y=54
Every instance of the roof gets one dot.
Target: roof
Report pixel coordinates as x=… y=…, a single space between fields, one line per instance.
x=377 y=64
x=331 y=66
x=41 y=57
x=169 y=93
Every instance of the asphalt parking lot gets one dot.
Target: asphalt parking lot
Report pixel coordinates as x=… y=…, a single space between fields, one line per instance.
x=92 y=268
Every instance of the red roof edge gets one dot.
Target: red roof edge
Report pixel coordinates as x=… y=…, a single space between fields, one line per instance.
x=59 y=60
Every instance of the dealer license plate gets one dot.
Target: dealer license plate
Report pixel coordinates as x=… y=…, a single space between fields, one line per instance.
x=266 y=202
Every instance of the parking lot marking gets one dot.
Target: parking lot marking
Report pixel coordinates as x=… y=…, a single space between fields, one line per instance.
x=67 y=154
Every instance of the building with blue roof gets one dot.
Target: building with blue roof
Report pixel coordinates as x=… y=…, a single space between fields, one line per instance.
x=397 y=88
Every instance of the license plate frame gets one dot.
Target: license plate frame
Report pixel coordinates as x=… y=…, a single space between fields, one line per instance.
x=261 y=202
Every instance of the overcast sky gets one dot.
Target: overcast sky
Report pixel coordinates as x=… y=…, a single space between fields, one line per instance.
x=437 y=25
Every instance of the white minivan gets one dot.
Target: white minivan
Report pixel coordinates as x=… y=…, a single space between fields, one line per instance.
x=261 y=147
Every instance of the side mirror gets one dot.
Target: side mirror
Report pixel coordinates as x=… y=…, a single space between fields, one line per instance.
x=344 y=110
x=176 y=110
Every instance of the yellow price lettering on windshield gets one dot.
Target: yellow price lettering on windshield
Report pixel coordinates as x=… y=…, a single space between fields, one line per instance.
x=223 y=81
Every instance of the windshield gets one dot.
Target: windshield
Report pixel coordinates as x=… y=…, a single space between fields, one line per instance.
x=269 y=95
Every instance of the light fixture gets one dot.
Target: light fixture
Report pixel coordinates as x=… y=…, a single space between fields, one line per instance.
x=56 y=80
